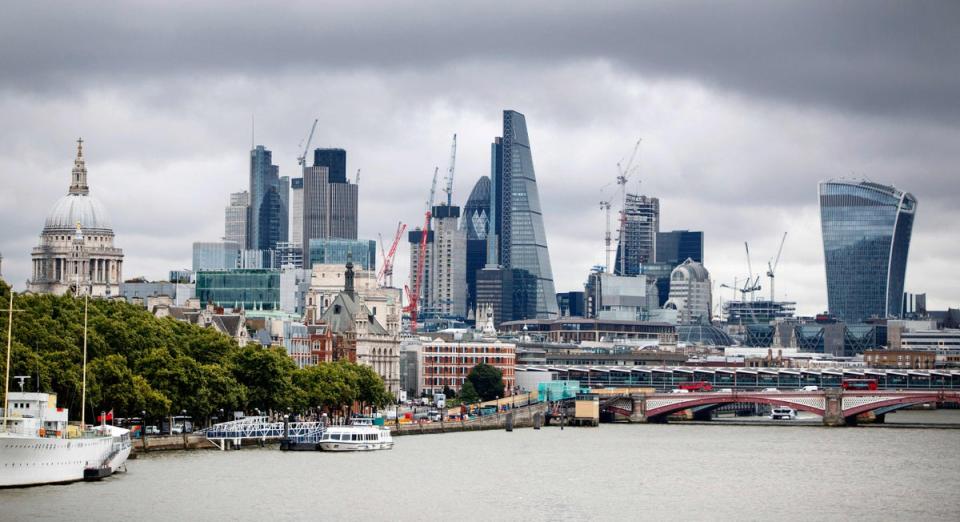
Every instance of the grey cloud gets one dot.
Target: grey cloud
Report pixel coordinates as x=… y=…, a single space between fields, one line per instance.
x=895 y=58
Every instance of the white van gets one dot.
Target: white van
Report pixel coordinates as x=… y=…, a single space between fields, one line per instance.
x=811 y=388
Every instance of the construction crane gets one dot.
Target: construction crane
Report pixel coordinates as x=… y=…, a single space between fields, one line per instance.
x=772 y=268
x=386 y=270
x=751 y=285
x=356 y=180
x=413 y=297
x=623 y=176
x=605 y=206
x=450 y=170
x=302 y=158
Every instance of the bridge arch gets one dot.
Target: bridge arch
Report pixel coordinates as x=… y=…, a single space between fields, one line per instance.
x=658 y=408
x=892 y=404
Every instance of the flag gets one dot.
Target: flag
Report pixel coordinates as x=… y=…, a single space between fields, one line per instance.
x=105 y=417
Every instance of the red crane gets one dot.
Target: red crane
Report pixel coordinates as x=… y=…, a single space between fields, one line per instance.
x=414 y=296
x=386 y=271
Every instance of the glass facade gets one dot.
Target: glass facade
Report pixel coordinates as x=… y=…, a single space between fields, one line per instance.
x=336 y=162
x=519 y=220
x=866 y=237
x=637 y=243
x=269 y=200
x=247 y=289
x=476 y=221
x=335 y=251
x=216 y=255
x=677 y=246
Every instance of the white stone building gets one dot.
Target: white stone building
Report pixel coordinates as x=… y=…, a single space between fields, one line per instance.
x=690 y=293
x=76 y=251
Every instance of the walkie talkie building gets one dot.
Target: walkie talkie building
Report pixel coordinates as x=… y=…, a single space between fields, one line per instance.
x=866 y=237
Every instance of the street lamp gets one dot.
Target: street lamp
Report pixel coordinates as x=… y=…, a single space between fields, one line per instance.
x=143 y=428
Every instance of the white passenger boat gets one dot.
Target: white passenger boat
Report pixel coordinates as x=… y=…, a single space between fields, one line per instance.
x=360 y=435
x=38 y=446
x=782 y=412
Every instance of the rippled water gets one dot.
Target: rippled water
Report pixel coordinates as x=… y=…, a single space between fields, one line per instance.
x=651 y=472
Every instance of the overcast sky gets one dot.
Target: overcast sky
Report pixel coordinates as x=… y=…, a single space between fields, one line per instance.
x=742 y=107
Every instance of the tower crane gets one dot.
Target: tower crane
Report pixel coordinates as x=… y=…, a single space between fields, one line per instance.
x=386 y=270
x=623 y=175
x=751 y=285
x=356 y=180
x=450 y=170
x=605 y=206
x=772 y=268
x=413 y=297
x=302 y=158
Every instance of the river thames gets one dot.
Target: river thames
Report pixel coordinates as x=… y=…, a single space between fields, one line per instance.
x=614 y=472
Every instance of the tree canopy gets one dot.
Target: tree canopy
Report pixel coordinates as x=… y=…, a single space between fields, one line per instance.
x=137 y=362
x=487 y=381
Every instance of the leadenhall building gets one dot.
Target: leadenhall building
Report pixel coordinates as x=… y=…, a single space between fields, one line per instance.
x=76 y=252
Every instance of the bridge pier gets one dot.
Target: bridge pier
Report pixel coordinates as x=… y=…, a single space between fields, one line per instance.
x=833 y=409
x=639 y=413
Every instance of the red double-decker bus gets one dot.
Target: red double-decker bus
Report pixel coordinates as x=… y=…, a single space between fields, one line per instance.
x=859 y=384
x=701 y=386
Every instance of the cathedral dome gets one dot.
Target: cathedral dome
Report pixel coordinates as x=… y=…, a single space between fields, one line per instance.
x=78 y=208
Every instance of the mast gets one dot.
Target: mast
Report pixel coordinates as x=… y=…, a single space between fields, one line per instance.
x=6 y=379
x=83 y=393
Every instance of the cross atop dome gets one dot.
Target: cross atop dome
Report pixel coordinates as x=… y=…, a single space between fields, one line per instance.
x=78 y=179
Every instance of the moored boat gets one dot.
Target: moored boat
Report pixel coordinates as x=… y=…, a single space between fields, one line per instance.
x=360 y=435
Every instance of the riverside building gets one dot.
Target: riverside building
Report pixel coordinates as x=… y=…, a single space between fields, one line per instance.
x=76 y=251
x=446 y=363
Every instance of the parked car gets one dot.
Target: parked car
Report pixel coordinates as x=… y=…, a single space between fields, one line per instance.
x=679 y=390
x=771 y=390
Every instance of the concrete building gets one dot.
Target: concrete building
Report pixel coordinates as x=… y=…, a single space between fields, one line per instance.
x=448 y=287
x=76 y=251
x=690 y=289
x=624 y=298
x=237 y=219
x=296 y=211
x=258 y=259
x=637 y=243
x=446 y=363
x=289 y=254
x=215 y=255
x=414 y=238
x=294 y=287
x=903 y=359
x=579 y=330
x=150 y=293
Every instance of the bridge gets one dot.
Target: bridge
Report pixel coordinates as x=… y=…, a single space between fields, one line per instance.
x=666 y=378
x=836 y=407
x=260 y=429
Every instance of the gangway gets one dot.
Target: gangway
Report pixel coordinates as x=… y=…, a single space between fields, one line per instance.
x=260 y=429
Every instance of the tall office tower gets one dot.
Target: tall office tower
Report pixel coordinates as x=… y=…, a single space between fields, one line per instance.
x=521 y=240
x=476 y=221
x=677 y=246
x=866 y=237
x=449 y=274
x=637 y=246
x=284 y=190
x=336 y=162
x=511 y=292
x=216 y=255
x=414 y=237
x=237 y=219
x=268 y=214
x=329 y=200
x=296 y=211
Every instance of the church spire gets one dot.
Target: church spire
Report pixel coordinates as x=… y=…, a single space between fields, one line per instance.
x=78 y=179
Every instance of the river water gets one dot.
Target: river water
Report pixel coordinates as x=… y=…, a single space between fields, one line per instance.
x=614 y=472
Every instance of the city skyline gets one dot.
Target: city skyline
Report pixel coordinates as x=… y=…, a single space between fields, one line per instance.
x=736 y=153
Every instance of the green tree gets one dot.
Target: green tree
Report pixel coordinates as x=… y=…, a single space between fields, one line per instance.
x=487 y=381
x=468 y=393
x=267 y=374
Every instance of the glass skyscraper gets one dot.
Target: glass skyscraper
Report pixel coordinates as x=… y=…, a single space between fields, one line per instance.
x=518 y=222
x=268 y=201
x=476 y=221
x=362 y=252
x=637 y=245
x=866 y=237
